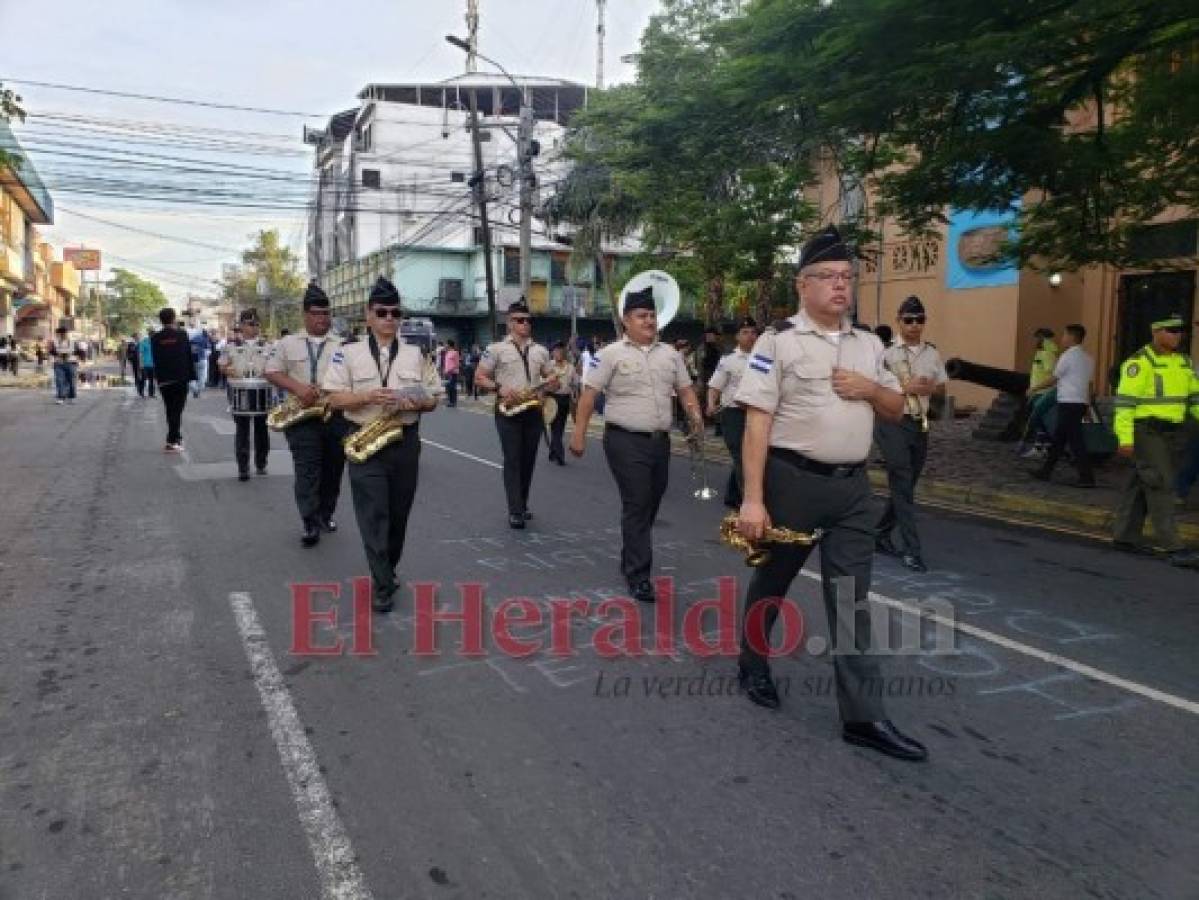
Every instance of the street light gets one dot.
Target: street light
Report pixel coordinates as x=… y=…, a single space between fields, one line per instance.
x=526 y=149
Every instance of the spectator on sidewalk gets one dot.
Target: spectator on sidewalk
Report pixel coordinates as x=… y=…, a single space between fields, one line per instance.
x=450 y=365
x=40 y=351
x=1071 y=377
x=145 y=370
x=65 y=366
x=470 y=362
x=214 y=355
x=174 y=369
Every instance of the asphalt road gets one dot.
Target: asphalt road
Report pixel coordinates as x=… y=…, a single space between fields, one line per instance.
x=159 y=739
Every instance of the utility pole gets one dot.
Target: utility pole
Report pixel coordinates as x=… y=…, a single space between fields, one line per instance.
x=526 y=148
x=600 y=33
x=472 y=36
x=477 y=183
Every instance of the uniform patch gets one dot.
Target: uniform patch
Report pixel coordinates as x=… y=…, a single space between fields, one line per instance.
x=338 y=357
x=593 y=363
x=1133 y=370
x=760 y=363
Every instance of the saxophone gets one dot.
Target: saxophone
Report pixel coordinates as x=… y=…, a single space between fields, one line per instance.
x=756 y=554
x=372 y=437
x=912 y=405
x=529 y=398
x=291 y=412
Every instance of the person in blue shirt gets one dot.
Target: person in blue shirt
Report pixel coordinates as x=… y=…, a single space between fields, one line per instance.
x=145 y=372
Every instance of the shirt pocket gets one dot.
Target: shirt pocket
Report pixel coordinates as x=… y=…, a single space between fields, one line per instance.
x=809 y=381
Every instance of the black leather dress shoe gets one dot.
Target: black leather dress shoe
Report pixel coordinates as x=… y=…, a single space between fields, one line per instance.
x=885 y=738
x=312 y=534
x=759 y=687
x=262 y=470
x=243 y=475
x=528 y=516
x=329 y=524
x=884 y=546
x=516 y=521
x=643 y=592
x=913 y=562
x=1130 y=547
x=382 y=603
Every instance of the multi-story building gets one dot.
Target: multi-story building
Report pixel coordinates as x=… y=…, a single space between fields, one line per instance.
x=28 y=301
x=392 y=197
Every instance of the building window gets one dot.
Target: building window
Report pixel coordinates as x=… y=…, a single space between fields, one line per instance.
x=558 y=269
x=366 y=138
x=370 y=178
x=511 y=266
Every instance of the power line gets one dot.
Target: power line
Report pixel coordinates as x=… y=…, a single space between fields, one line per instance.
x=160 y=236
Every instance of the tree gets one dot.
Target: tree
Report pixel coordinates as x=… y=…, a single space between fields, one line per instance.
x=10 y=108
x=129 y=302
x=1082 y=116
x=270 y=259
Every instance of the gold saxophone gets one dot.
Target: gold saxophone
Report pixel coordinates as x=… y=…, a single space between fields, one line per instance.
x=912 y=405
x=755 y=554
x=291 y=412
x=529 y=398
x=373 y=436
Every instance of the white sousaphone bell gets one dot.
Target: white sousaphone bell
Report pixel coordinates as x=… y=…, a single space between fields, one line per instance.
x=666 y=293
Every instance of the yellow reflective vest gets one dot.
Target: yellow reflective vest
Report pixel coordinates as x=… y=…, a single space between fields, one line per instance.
x=1154 y=386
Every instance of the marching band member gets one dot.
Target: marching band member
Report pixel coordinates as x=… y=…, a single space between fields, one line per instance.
x=564 y=374
x=917 y=366
x=722 y=389
x=515 y=367
x=297 y=365
x=247 y=360
x=383 y=380
x=638 y=374
x=812 y=389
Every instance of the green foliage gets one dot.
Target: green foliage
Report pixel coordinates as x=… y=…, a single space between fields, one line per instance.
x=131 y=299
x=10 y=108
x=268 y=257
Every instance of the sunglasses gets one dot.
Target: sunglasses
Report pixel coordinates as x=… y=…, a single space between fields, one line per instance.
x=387 y=312
x=912 y=320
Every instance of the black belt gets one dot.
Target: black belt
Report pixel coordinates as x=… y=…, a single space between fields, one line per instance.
x=831 y=470
x=648 y=434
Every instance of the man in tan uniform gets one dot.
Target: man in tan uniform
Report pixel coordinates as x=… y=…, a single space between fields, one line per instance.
x=367 y=379
x=811 y=391
x=722 y=393
x=638 y=375
x=297 y=364
x=510 y=367
x=248 y=360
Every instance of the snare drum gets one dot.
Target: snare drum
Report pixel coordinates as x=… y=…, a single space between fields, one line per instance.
x=249 y=396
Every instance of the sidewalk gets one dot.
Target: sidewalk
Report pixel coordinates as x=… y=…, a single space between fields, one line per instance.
x=982 y=478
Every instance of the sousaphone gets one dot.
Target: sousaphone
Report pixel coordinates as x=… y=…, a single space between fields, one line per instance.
x=666 y=293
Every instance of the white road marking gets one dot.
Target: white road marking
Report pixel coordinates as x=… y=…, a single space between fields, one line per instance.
x=1133 y=687
x=999 y=640
x=340 y=876
x=478 y=459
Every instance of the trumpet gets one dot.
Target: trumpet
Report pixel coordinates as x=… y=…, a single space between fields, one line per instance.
x=755 y=553
x=291 y=412
x=912 y=405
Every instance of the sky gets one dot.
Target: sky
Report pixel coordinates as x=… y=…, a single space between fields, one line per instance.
x=299 y=56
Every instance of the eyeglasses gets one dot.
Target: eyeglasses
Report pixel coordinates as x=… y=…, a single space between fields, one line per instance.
x=387 y=312
x=912 y=320
x=519 y=320
x=825 y=277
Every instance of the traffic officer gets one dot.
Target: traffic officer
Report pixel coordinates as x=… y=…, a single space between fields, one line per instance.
x=248 y=360
x=917 y=365
x=722 y=389
x=1158 y=387
x=812 y=389
x=379 y=376
x=638 y=374
x=512 y=367
x=297 y=365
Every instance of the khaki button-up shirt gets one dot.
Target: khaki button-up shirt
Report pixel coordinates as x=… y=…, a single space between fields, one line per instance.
x=790 y=373
x=728 y=375
x=639 y=383
x=502 y=363
x=352 y=368
x=293 y=356
x=921 y=360
x=248 y=359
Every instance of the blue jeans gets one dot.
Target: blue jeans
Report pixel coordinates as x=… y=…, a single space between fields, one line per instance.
x=64 y=381
x=1188 y=470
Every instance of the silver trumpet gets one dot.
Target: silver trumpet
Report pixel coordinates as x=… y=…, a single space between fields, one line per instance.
x=699 y=464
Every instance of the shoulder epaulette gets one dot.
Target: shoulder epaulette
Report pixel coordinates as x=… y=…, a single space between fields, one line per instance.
x=931 y=344
x=780 y=325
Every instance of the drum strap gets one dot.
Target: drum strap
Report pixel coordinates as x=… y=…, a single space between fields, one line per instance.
x=314 y=359
x=395 y=348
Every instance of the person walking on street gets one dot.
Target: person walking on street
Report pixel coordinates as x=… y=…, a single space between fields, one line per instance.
x=450 y=365
x=130 y=358
x=145 y=370
x=174 y=370
x=1071 y=377
x=248 y=360
x=564 y=372
x=722 y=405
x=66 y=365
x=1158 y=390
x=470 y=362
x=201 y=345
x=812 y=390
x=917 y=366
